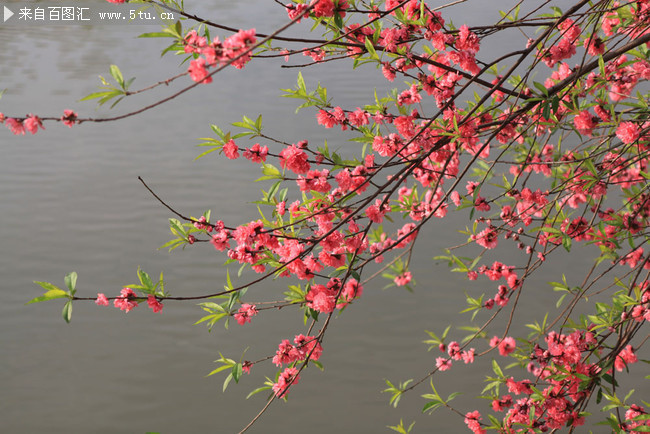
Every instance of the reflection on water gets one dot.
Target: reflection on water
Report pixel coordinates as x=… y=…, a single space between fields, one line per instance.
x=70 y=200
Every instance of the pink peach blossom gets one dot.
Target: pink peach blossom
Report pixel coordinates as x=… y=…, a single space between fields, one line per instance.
x=101 y=300
x=154 y=304
x=628 y=132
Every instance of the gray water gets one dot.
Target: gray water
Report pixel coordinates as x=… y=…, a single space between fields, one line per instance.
x=70 y=200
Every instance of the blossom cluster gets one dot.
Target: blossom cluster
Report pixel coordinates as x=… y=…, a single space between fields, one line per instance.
x=128 y=300
x=303 y=347
x=234 y=49
x=432 y=151
x=455 y=353
x=548 y=161
x=31 y=123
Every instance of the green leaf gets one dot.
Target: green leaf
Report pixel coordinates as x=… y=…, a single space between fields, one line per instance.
x=156 y=35
x=203 y=154
x=273 y=190
x=400 y=428
x=258 y=390
x=219 y=369
x=546 y=110
x=71 y=281
x=47 y=286
x=172 y=244
x=212 y=318
x=371 y=49
x=227 y=381
x=301 y=83
x=145 y=280
x=128 y=82
x=50 y=295
x=338 y=21
x=95 y=95
x=176 y=227
x=116 y=101
x=67 y=311
x=117 y=75
x=555 y=103
x=178 y=28
x=432 y=405
x=270 y=172
x=236 y=372
x=541 y=88
x=497 y=370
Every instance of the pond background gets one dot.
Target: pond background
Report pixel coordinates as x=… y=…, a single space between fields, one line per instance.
x=70 y=200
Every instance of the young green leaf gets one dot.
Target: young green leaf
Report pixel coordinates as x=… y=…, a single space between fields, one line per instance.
x=50 y=295
x=71 y=281
x=67 y=311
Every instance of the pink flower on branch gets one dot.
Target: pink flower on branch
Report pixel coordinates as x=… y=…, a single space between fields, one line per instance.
x=126 y=301
x=472 y=421
x=296 y=11
x=308 y=346
x=468 y=356
x=294 y=159
x=69 y=118
x=230 y=150
x=236 y=45
x=288 y=378
x=321 y=298
x=154 y=304
x=403 y=279
x=467 y=40
x=488 y=237
x=194 y=43
x=624 y=358
x=257 y=153
x=245 y=313
x=286 y=353
x=443 y=363
x=585 y=122
x=101 y=300
x=15 y=126
x=198 y=71
x=507 y=346
x=628 y=132
x=351 y=290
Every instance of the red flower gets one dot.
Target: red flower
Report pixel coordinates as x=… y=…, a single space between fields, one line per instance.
x=198 y=72
x=126 y=301
x=154 y=304
x=288 y=377
x=628 y=132
x=231 y=150
x=625 y=357
x=507 y=346
x=294 y=159
x=443 y=364
x=101 y=300
x=69 y=118
x=15 y=126
x=245 y=312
